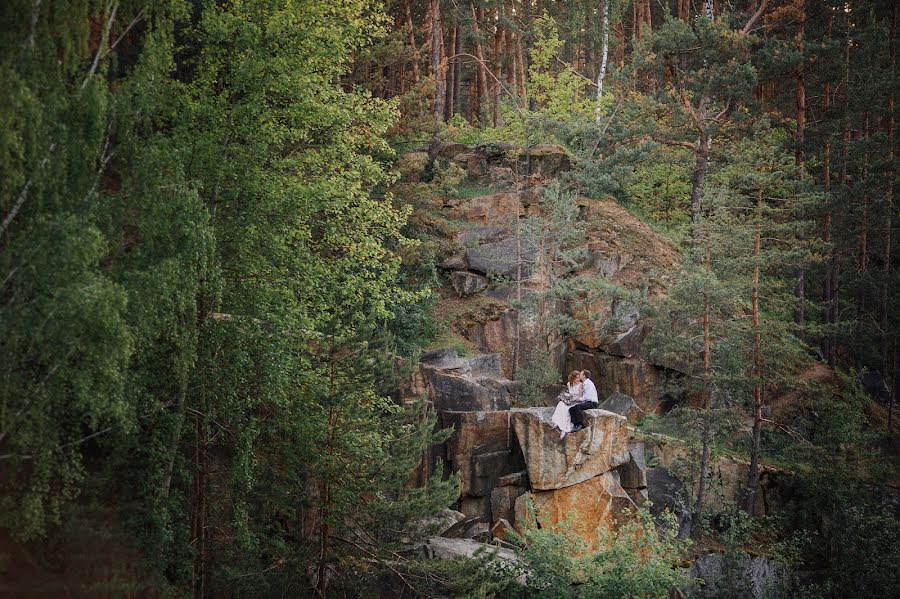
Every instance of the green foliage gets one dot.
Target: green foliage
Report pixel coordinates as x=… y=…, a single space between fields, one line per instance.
x=637 y=560
x=558 y=92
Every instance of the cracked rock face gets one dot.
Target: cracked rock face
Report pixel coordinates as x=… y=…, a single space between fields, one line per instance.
x=589 y=506
x=554 y=464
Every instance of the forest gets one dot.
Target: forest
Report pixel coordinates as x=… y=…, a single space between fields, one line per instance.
x=289 y=290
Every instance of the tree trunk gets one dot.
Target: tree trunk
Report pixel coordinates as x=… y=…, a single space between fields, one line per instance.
x=457 y=72
x=707 y=406
x=498 y=76
x=605 y=56
x=753 y=473
x=411 y=40
x=889 y=200
x=700 y=168
x=827 y=285
x=437 y=70
x=450 y=102
x=864 y=228
x=481 y=68
x=520 y=58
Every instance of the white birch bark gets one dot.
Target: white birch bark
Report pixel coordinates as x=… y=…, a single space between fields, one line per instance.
x=603 y=62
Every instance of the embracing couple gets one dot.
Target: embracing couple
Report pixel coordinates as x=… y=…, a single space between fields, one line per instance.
x=580 y=396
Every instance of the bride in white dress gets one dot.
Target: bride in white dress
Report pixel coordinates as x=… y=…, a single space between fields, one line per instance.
x=561 y=417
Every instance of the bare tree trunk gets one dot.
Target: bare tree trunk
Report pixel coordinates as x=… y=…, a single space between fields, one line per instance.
x=437 y=68
x=707 y=405
x=700 y=167
x=753 y=473
x=498 y=75
x=864 y=222
x=520 y=58
x=457 y=72
x=411 y=40
x=481 y=69
x=619 y=32
x=827 y=286
x=449 y=105
x=684 y=10
x=605 y=54
x=800 y=287
x=889 y=200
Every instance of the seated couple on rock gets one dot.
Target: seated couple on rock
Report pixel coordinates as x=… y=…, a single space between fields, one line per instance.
x=580 y=396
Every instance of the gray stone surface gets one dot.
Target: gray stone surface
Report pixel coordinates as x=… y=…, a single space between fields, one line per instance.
x=455 y=262
x=500 y=258
x=662 y=489
x=623 y=405
x=503 y=502
x=483 y=234
x=628 y=343
x=740 y=577
x=467 y=283
x=443 y=548
x=452 y=392
x=633 y=473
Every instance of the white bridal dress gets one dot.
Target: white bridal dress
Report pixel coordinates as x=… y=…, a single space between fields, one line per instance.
x=561 y=417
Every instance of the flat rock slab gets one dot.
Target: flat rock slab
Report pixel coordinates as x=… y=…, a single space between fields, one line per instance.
x=452 y=392
x=589 y=506
x=554 y=464
x=442 y=548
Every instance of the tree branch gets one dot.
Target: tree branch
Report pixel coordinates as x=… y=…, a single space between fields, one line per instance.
x=759 y=11
x=100 y=53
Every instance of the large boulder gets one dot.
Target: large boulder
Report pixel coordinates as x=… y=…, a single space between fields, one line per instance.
x=739 y=576
x=452 y=392
x=588 y=506
x=628 y=343
x=623 y=405
x=663 y=489
x=632 y=475
x=467 y=283
x=443 y=548
x=501 y=258
x=544 y=161
x=475 y=235
x=605 y=323
x=553 y=464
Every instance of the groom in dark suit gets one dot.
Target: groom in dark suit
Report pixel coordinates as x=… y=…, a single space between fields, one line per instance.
x=576 y=412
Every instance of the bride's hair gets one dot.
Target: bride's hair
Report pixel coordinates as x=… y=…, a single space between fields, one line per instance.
x=573 y=377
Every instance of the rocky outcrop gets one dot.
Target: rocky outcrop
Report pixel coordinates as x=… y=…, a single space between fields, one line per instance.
x=467 y=283
x=586 y=507
x=479 y=448
x=444 y=548
x=740 y=577
x=631 y=376
x=623 y=405
x=632 y=475
x=728 y=477
x=499 y=208
x=553 y=464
